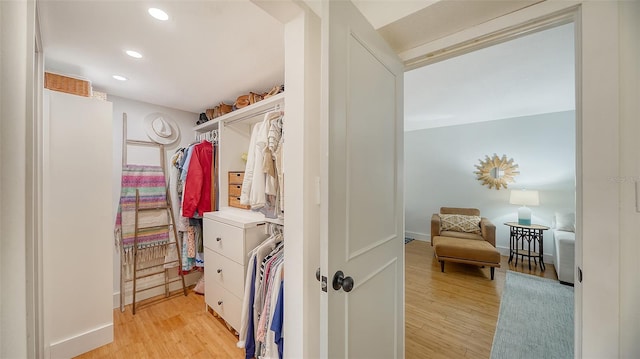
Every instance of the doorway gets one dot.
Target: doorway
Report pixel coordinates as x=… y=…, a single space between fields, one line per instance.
x=514 y=98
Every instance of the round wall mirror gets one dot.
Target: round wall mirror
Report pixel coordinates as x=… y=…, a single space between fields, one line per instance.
x=496 y=172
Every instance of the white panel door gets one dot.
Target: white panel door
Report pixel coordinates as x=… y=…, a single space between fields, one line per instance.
x=362 y=206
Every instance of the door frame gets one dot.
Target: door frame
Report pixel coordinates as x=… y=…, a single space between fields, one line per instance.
x=596 y=195
x=36 y=347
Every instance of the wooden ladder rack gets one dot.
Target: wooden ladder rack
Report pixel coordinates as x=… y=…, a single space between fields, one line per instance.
x=170 y=226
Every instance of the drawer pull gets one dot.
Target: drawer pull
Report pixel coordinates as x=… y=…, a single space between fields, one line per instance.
x=219 y=270
x=218 y=239
x=219 y=302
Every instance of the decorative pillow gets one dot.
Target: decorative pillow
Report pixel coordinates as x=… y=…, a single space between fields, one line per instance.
x=460 y=223
x=566 y=222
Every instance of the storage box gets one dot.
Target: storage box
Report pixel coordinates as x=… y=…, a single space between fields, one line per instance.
x=67 y=84
x=235 y=188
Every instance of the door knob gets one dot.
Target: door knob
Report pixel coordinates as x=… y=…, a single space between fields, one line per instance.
x=218 y=239
x=219 y=270
x=340 y=281
x=318 y=274
x=219 y=302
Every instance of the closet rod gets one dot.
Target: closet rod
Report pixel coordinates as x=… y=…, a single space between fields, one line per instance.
x=265 y=111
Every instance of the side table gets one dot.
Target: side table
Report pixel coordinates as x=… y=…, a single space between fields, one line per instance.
x=532 y=235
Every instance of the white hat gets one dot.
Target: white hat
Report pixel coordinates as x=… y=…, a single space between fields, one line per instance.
x=161 y=128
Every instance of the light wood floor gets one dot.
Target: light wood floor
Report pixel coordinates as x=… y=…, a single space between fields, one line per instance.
x=452 y=314
x=448 y=315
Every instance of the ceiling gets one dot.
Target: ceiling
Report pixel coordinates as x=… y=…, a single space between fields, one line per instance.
x=527 y=76
x=207 y=52
x=213 y=50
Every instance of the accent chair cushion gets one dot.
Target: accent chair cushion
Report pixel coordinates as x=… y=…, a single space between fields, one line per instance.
x=454 y=234
x=459 y=248
x=460 y=223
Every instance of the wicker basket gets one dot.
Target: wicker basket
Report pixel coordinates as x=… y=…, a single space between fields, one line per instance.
x=67 y=84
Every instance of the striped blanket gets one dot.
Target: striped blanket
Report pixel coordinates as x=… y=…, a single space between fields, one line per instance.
x=152 y=243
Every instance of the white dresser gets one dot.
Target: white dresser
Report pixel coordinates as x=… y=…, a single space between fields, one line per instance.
x=229 y=235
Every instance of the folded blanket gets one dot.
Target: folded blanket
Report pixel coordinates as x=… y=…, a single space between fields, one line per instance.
x=151 y=185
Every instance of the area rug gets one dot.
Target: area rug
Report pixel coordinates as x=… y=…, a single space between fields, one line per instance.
x=407 y=240
x=535 y=319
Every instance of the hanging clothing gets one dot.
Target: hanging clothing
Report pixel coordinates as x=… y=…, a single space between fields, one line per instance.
x=197 y=190
x=280 y=174
x=277 y=323
x=247 y=182
x=184 y=164
x=270 y=348
x=175 y=191
x=258 y=334
x=195 y=164
x=273 y=140
x=262 y=184
x=187 y=263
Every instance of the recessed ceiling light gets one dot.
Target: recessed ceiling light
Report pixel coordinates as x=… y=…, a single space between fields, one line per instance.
x=134 y=54
x=119 y=78
x=158 y=14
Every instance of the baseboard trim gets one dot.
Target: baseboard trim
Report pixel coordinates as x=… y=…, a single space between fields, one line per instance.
x=189 y=280
x=82 y=343
x=418 y=236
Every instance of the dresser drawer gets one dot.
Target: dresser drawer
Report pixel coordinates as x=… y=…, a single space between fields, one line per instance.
x=236 y=177
x=235 y=202
x=235 y=190
x=209 y=272
x=226 y=273
x=227 y=305
x=224 y=239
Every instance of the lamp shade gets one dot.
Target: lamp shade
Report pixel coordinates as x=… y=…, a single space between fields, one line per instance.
x=524 y=198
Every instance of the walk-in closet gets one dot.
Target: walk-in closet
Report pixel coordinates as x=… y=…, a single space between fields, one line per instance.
x=197 y=196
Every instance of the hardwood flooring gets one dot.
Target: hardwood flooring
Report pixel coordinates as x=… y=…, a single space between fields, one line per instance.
x=175 y=328
x=453 y=314
x=447 y=315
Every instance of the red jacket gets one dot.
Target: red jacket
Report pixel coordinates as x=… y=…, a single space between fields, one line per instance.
x=197 y=188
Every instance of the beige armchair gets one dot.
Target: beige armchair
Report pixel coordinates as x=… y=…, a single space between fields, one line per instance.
x=487 y=229
x=461 y=235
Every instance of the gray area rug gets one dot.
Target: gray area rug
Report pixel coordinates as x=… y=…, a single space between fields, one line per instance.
x=535 y=319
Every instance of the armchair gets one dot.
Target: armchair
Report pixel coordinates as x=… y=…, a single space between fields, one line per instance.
x=487 y=229
x=461 y=235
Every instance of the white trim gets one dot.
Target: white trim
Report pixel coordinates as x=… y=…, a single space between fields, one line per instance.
x=417 y=236
x=82 y=343
x=497 y=30
x=36 y=345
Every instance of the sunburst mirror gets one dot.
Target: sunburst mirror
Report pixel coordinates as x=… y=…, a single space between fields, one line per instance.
x=496 y=172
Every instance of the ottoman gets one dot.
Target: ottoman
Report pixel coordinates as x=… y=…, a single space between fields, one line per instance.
x=469 y=251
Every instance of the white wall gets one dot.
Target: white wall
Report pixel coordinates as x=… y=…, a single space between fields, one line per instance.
x=439 y=166
x=77 y=232
x=136 y=112
x=15 y=48
x=629 y=178
x=302 y=168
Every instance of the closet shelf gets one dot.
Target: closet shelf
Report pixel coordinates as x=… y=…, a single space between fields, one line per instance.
x=243 y=113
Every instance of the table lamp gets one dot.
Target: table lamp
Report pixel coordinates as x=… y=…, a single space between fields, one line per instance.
x=524 y=198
